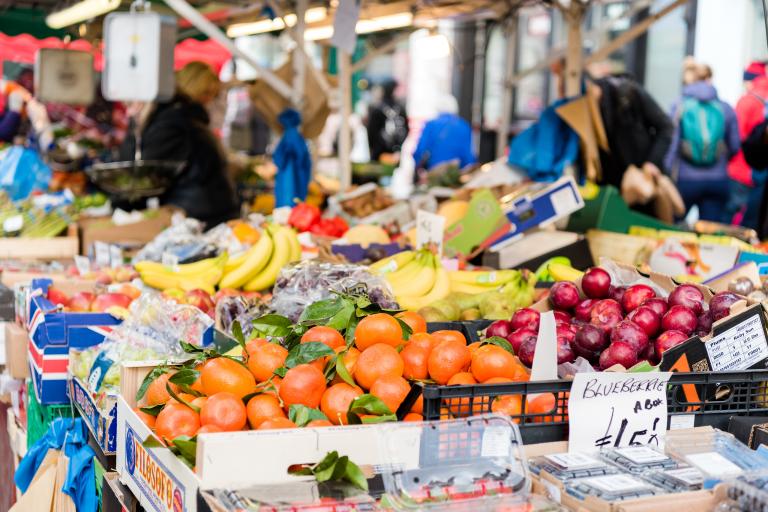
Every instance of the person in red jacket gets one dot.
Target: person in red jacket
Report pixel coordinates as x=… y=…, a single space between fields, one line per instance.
x=746 y=186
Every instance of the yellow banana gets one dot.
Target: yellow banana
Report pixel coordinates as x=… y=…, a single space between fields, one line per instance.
x=421 y=282
x=280 y=256
x=490 y=278
x=472 y=289
x=440 y=290
x=234 y=262
x=560 y=272
x=393 y=263
x=164 y=280
x=256 y=259
x=405 y=274
x=190 y=269
x=295 y=245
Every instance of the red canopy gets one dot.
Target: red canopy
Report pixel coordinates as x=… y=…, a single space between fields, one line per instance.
x=23 y=48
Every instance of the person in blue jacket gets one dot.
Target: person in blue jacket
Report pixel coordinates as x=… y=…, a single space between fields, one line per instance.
x=445 y=138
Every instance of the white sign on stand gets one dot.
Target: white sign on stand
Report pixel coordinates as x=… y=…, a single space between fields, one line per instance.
x=430 y=229
x=611 y=409
x=344 y=23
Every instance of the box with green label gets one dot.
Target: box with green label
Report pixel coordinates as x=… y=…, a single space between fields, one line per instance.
x=481 y=226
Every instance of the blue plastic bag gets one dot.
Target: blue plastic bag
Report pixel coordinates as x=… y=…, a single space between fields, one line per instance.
x=22 y=171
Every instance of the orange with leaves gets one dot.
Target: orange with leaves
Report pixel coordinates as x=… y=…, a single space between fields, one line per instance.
x=447 y=359
x=375 y=362
x=391 y=390
x=157 y=393
x=223 y=374
x=148 y=419
x=304 y=384
x=491 y=361
x=265 y=359
x=224 y=410
x=261 y=408
x=176 y=420
x=413 y=320
x=335 y=402
x=276 y=423
x=325 y=335
x=376 y=329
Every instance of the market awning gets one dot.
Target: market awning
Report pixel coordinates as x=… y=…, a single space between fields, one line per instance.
x=23 y=48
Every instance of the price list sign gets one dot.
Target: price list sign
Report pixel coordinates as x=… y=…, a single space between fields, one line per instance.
x=742 y=346
x=610 y=409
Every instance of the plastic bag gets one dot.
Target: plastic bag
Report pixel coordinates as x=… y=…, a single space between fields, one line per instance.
x=181 y=238
x=243 y=310
x=22 y=172
x=307 y=282
x=151 y=332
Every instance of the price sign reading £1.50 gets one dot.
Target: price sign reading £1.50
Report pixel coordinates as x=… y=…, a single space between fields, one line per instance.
x=430 y=229
x=611 y=409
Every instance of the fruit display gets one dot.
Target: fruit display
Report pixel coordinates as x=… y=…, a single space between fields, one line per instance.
x=608 y=323
x=110 y=302
x=362 y=205
x=420 y=283
x=308 y=218
x=203 y=274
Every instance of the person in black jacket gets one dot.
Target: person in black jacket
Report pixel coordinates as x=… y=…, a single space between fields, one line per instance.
x=178 y=130
x=387 y=124
x=639 y=132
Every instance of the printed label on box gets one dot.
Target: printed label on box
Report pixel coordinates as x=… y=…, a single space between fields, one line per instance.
x=689 y=476
x=641 y=454
x=496 y=442
x=616 y=483
x=574 y=460
x=714 y=464
x=157 y=484
x=742 y=346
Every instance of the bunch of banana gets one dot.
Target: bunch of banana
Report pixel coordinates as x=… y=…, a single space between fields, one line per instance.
x=257 y=268
x=393 y=263
x=418 y=282
x=561 y=272
x=543 y=274
x=203 y=274
x=480 y=281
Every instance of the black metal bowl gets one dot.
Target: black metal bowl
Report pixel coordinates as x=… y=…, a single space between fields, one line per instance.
x=138 y=179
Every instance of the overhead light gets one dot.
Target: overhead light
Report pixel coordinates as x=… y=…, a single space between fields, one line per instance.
x=318 y=33
x=81 y=11
x=380 y=23
x=313 y=15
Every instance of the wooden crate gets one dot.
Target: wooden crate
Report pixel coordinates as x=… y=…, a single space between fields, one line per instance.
x=56 y=248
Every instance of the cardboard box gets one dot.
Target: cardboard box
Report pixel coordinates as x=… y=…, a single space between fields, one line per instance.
x=759 y=259
x=55 y=248
x=695 y=501
x=115 y=497
x=130 y=237
x=67 y=284
x=162 y=482
x=101 y=421
x=481 y=226
x=539 y=246
x=16 y=341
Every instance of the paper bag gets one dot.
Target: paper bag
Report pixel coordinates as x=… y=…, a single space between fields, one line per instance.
x=637 y=187
x=669 y=203
x=39 y=495
x=62 y=502
x=583 y=116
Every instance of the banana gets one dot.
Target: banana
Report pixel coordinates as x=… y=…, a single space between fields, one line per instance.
x=440 y=290
x=393 y=263
x=233 y=263
x=190 y=269
x=295 y=245
x=560 y=272
x=280 y=257
x=489 y=279
x=164 y=280
x=256 y=259
x=420 y=284
x=472 y=289
x=408 y=273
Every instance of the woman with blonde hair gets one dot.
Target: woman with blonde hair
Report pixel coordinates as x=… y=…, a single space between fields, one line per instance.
x=178 y=130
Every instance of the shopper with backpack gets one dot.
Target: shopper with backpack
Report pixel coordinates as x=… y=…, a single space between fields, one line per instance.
x=387 y=124
x=706 y=136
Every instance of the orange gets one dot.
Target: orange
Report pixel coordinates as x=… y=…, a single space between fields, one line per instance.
x=413 y=320
x=474 y=346
x=275 y=423
x=418 y=405
x=319 y=423
x=224 y=410
x=245 y=233
x=349 y=357
x=497 y=380
x=441 y=336
x=460 y=406
x=412 y=416
x=546 y=404
x=176 y=420
x=252 y=345
x=184 y=396
x=198 y=384
x=148 y=419
x=447 y=359
x=378 y=328
x=508 y=404
x=491 y=361
x=335 y=402
x=303 y=384
x=156 y=393
x=199 y=401
x=263 y=407
x=265 y=359
x=415 y=359
x=392 y=390
x=376 y=361
x=422 y=340
x=224 y=374
x=209 y=429
x=326 y=335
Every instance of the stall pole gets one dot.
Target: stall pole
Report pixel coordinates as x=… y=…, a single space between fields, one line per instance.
x=478 y=85
x=299 y=57
x=205 y=26
x=574 y=14
x=502 y=135
x=344 y=63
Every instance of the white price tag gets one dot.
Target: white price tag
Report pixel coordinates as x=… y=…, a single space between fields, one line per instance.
x=497 y=442
x=115 y=256
x=574 y=460
x=430 y=231
x=101 y=254
x=616 y=483
x=689 y=476
x=680 y=421
x=153 y=203
x=740 y=347
x=83 y=265
x=642 y=454
x=712 y=463
x=344 y=23
x=617 y=409
x=13 y=224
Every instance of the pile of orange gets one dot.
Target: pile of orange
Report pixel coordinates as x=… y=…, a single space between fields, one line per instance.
x=380 y=363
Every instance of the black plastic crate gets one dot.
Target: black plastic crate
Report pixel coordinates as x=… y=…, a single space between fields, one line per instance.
x=709 y=398
x=470 y=329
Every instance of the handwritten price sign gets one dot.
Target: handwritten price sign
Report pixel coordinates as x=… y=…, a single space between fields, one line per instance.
x=617 y=409
x=429 y=231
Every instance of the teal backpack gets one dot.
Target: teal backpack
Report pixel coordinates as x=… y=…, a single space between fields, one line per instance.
x=702 y=131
